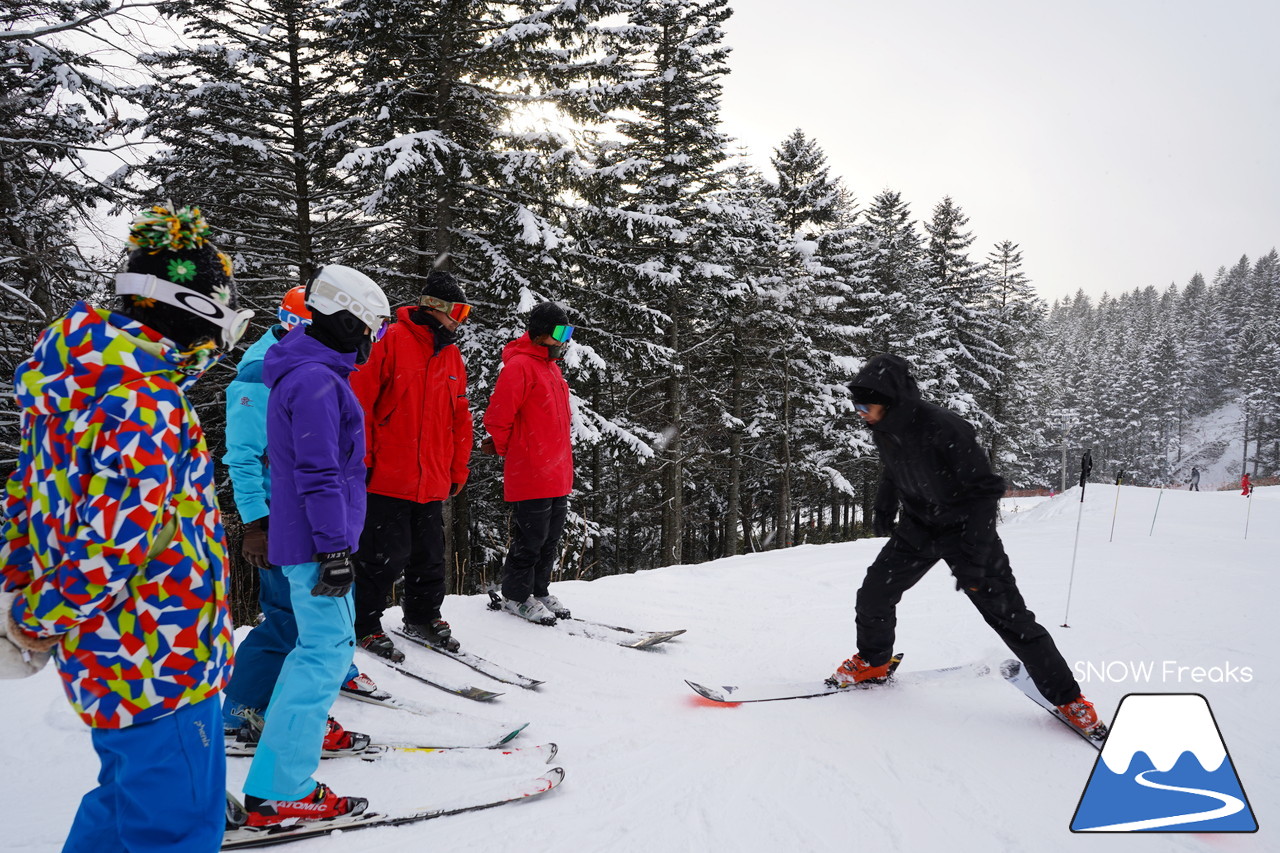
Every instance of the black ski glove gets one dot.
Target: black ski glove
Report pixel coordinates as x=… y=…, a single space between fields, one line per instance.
x=336 y=574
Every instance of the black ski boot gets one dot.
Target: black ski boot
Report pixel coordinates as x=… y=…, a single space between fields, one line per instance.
x=381 y=645
x=436 y=632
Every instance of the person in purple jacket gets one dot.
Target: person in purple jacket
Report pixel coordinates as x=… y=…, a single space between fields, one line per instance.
x=315 y=447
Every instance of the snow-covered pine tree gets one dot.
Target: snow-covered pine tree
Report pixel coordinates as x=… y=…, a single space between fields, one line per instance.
x=447 y=93
x=57 y=101
x=252 y=115
x=891 y=315
x=966 y=361
x=655 y=230
x=808 y=315
x=1017 y=328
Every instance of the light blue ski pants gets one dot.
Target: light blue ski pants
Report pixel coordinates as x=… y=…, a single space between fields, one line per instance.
x=289 y=751
x=261 y=655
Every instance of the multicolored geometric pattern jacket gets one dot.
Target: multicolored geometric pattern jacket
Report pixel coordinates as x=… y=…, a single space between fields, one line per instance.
x=111 y=528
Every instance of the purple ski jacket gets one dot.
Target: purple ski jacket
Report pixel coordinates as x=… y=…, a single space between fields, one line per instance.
x=315 y=445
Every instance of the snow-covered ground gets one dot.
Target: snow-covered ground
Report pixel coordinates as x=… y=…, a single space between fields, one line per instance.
x=964 y=765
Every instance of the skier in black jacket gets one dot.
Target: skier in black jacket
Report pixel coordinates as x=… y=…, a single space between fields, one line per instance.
x=938 y=475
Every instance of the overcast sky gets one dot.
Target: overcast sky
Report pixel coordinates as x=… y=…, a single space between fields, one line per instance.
x=1121 y=143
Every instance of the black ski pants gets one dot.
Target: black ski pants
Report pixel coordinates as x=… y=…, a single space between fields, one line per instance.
x=400 y=537
x=900 y=566
x=537 y=526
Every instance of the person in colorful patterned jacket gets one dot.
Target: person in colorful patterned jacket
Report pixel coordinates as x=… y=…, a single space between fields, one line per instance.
x=261 y=654
x=113 y=553
x=528 y=421
x=419 y=438
x=315 y=449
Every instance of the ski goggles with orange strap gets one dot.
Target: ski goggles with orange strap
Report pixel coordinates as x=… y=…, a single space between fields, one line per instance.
x=456 y=311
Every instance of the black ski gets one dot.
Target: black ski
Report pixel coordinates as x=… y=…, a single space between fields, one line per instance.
x=479 y=664
x=464 y=690
x=1014 y=673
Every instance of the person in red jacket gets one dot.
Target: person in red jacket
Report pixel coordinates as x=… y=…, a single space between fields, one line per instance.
x=1245 y=485
x=418 y=435
x=528 y=425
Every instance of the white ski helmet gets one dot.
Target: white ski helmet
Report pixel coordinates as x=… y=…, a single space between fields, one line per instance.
x=337 y=288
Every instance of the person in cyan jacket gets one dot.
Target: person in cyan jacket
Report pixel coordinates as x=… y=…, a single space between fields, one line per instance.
x=528 y=421
x=939 y=500
x=418 y=428
x=261 y=654
x=315 y=449
x=111 y=543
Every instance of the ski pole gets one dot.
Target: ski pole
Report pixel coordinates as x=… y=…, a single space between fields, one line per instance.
x=1086 y=465
x=1116 y=510
x=1248 y=513
x=1157 y=512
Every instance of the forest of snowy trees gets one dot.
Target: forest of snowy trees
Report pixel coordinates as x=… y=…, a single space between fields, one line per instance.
x=573 y=151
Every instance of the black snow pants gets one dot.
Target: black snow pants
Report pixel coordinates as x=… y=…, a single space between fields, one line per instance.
x=400 y=537
x=535 y=539
x=900 y=566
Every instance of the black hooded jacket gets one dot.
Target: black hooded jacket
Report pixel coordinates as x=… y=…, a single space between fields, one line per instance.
x=933 y=467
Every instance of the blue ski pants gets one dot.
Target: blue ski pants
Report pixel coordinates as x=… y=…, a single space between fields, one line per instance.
x=162 y=787
x=262 y=654
x=297 y=715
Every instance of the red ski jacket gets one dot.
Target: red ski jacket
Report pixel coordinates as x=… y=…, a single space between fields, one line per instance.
x=528 y=417
x=417 y=417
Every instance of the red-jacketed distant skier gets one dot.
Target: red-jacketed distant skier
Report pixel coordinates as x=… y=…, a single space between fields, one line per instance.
x=936 y=472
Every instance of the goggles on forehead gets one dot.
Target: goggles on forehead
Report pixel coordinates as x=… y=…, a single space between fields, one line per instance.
x=456 y=311
x=562 y=334
x=232 y=323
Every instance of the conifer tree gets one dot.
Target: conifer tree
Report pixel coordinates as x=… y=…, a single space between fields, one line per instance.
x=253 y=118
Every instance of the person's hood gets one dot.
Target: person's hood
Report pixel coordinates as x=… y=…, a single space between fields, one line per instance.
x=524 y=345
x=889 y=375
x=250 y=366
x=90 y=352
x=298 y=348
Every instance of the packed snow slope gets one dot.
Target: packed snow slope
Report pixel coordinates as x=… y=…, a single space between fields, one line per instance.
x=961 y=765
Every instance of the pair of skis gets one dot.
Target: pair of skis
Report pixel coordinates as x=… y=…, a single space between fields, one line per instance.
x=616 y=634
x=1011 y=670
x=628 y=637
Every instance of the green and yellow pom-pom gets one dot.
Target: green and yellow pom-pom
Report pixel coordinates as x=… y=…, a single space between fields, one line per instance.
x=162 y=228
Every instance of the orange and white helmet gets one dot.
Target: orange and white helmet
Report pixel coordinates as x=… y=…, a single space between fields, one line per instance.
x=293 y=308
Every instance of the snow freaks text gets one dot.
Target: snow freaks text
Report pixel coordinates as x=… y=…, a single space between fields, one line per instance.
x=1145 y=672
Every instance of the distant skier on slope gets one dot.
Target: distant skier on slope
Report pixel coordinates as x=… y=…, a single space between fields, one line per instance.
x=935 y=469
x=1194 y=483
x=1245 y=486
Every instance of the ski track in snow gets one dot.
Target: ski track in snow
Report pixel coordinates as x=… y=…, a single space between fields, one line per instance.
x=966 y=765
